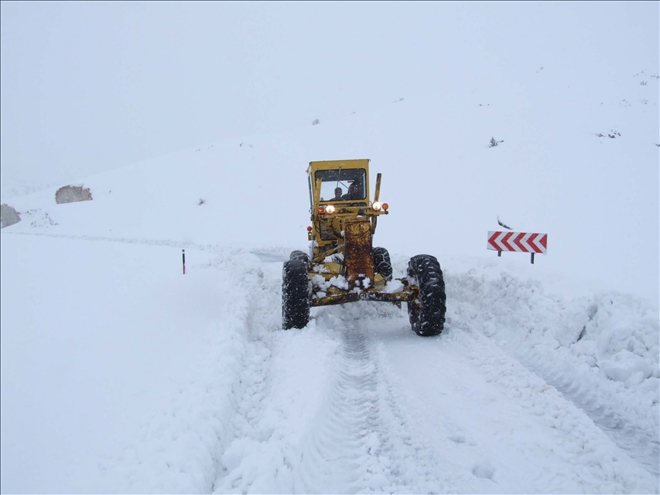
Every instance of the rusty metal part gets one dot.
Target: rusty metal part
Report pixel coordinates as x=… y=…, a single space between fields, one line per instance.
x=341 y=237
x=377 y=193
x=358 y=258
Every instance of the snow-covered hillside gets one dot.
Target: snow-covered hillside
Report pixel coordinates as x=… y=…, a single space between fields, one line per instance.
x=596 y=197
x=121 y=374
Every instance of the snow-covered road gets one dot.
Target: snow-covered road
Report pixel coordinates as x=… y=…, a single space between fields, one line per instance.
x=210 y=395
x=399 y=413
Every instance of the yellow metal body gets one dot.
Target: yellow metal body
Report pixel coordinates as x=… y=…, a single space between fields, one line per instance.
x=342 y=266
x=327 y=229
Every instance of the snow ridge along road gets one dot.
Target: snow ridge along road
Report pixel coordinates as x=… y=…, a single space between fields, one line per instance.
x=567 y=343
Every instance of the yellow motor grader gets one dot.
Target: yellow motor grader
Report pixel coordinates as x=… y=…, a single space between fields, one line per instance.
x=342 y=265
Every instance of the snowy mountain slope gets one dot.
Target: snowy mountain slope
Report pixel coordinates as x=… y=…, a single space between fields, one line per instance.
x=596 y=197
x=120 y=374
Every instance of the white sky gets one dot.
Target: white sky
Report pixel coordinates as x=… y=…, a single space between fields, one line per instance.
x=88 y=86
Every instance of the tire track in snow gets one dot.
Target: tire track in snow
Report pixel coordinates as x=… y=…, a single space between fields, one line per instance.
x=362 y=440
x=641 y=445
x=344 y=441
x=595 y=460
x=497 y=306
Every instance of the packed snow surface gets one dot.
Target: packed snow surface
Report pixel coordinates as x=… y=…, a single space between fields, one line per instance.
x=121 y=374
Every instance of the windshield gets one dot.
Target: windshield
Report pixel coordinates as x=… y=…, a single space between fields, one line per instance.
x=342 y=184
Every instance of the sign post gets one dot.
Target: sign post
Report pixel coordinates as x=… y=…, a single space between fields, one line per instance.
x=520 y=242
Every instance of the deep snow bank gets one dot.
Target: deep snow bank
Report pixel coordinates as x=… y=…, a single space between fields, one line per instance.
x=600 y=350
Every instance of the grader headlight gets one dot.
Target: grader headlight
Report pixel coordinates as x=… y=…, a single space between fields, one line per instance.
x=330 y=209
x=376 y=206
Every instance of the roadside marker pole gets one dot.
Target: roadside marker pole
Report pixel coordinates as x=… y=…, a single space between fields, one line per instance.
x=184 y=261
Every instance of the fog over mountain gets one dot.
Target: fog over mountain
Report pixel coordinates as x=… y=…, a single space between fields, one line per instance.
x=87 y=87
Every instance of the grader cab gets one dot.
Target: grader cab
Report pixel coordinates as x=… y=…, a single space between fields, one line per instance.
x=342 y=265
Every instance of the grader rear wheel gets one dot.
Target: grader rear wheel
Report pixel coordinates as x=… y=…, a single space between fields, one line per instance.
x=295 y=294
x=427 y=312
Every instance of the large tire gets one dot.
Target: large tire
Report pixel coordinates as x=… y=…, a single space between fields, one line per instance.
x=382 y=263
x=427 y=313
x=295 y=294
x=300 y=255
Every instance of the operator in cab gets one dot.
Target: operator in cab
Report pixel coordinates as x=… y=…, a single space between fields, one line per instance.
x=352 y=192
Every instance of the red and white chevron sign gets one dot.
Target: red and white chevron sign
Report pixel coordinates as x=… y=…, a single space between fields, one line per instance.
x=521 y=242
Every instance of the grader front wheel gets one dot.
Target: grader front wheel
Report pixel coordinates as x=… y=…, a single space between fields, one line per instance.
x=301 y=255
x=382 y=263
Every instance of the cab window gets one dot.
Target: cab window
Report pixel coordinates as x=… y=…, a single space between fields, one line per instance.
x=343 y=179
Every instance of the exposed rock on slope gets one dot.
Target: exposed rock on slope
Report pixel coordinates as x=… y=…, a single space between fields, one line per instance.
x=8 y=216
x=72 y=194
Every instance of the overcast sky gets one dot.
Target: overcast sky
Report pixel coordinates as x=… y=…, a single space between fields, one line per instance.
x=88 y=86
